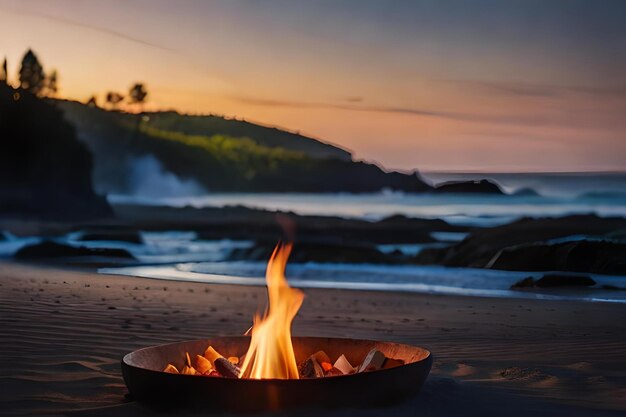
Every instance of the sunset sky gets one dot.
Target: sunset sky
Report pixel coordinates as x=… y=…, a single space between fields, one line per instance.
x=433 y=85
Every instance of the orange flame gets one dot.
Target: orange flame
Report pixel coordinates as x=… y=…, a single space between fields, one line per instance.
x=270 y=354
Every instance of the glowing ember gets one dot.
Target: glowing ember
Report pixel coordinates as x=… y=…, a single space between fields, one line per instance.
x=270 y=354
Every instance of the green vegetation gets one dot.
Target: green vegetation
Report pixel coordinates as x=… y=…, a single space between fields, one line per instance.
x=242 y=155
x=222 y=155
x=209 y=125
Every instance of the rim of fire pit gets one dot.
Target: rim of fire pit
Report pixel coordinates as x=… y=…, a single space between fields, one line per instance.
x=143 y=373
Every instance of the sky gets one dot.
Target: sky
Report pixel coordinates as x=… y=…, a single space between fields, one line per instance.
x=483 y=85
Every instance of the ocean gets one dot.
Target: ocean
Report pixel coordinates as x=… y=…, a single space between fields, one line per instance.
x=558 y=195
x=176 y=255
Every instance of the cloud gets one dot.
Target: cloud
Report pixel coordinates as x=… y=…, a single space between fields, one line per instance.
x=107 y=31
x=537 y=90
x=349 y=107
x=538 y=119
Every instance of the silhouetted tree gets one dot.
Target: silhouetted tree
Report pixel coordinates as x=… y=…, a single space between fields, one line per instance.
x=114 y=98
x=32 y=77
x=4 y=73
x=52 y=84
x=92 y=102
x=137 y=94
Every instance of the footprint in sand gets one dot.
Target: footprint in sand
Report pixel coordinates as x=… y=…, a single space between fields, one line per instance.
x=580 y=366
x=535 y=376
x=463 y=370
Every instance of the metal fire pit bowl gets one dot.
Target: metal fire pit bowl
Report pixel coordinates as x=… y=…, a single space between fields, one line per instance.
x=142 y=370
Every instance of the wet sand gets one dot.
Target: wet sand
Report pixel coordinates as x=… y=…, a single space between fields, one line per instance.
x=63 y=333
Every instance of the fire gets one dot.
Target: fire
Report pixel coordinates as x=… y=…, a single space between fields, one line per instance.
x=271 y=354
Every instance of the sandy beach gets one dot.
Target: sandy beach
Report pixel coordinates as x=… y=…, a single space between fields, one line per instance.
x=64 y=333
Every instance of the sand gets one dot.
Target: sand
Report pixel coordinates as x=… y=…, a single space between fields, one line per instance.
x=63 y=333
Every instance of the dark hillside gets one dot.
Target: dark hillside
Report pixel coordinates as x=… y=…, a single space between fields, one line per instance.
x=45 y=171
x=266 y=136
x=219 y=160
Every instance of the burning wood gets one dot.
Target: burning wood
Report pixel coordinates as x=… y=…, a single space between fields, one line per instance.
x=373 y=361
x=318 y=365
x=343 y=365
x=270 y=354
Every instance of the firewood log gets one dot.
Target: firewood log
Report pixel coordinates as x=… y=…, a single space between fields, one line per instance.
x=203 y=365
x=321 y=357
x=310 y=368
x=392 y=363
x=211 y=354
x=373 y=361
x=344 y=366
x=226 y=368
x=171 y=369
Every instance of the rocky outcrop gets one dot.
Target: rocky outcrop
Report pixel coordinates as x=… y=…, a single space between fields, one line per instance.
x=45 y=172
x=600 y=257
x=480 y=248
x=312 y=251
x=472 y=187
x=49 y=249
x=554 y=281
x=114 y=234
x=263 y=225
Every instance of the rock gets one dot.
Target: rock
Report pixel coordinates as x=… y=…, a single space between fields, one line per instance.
x=317 y=252
x=600 y=257
x=113 y=235
x=482 y=245
x=50 y=249
x=251 y=224
x=527 y=282
x=611 y=287
x=561 y=280
x=474 y=187
x=554 y=281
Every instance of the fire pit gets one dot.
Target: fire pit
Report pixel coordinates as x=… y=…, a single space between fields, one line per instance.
x=146 y=381
x=271 y=370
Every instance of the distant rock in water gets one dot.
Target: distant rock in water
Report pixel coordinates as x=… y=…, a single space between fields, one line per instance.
x=555 y=281
x=50 y=249
x=473 y=187
x=45 y=171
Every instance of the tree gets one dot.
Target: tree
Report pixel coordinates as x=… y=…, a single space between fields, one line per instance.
x=92 y=102
x=114 y=98
x=137 y=94
x=52 y=84
x=32 y=77
x=4 y=73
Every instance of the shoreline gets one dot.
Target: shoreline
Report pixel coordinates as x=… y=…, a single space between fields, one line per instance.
x=524 y=355
x=168 y=272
